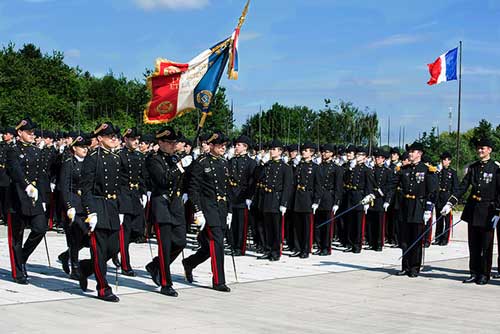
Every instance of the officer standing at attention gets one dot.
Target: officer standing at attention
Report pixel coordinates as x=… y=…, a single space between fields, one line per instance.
x=208 y=191
x=100 y=189
x=241 y=172
x=481 y=211
x=25 y=207
x=448 y=184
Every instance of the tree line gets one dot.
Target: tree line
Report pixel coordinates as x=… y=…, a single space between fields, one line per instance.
x=61 y=97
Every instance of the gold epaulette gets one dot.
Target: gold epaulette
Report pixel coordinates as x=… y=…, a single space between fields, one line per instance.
x=397 y=169
x=431 y=168
x=94 y=152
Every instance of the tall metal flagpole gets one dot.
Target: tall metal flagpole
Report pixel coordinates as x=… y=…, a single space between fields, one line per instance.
x=260 y=128
x=459 y=105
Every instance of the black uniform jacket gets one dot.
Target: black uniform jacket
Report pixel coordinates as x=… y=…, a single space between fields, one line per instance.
x=208 y=189
x=166 y=182
x=100 y=187
x=24 y=168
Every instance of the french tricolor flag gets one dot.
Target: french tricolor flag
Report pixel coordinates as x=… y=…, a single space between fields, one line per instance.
x=444 y=68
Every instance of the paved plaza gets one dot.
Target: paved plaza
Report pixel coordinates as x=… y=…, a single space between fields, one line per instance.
x=338 y=293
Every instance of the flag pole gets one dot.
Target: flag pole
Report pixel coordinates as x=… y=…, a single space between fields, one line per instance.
x=459 y=105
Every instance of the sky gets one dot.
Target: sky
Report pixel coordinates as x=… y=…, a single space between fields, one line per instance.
x=294 y=52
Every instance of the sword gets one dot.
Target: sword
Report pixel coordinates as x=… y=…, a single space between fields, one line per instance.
x=339 y=215
x=47 y=249
x=421 y=236
x=446 y=230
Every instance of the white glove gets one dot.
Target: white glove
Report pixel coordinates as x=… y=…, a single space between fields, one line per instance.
x=314 y=207
x=52 y=187
x=229 y=220
x=148 y=194
x=144 y=200
x=184 y=198
x=282 y=210
x=44 y=206
x=199 y=219
x=71 y=213
x=92 y=221
x=32 y=192
x=266 y=157
x=366 y=207
x=368 y=199
x=495 y=220
x=352 y=164
x=427 y=215
x=186 y=161
x=249 y=203
x=296 y=160
x=121 y=216
x=446 y=209
x=335 y=208
x=386 y=206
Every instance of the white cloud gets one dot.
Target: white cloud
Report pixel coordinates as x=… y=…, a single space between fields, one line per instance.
x=72 y=53
x=398 y=39
x=171 y=4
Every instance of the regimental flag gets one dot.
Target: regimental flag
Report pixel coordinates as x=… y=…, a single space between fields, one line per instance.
x=444 y=68
x=177 y=88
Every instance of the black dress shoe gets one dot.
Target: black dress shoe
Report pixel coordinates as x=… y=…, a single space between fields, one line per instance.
x=274 y=258
x=347 y=250
x=471 y=279
x=318 y=252
x=222 y=288
x=402 y=273
x=168 y=291
x=436 y=242
x=237 y=252
x=64 y=258
x=155 y=275
x=304 y=255
x=266 y=256
x=83 y=282
x=412 y=274
x=21 y=280
x=188 y=272
x=130 y=273
x=378 y=249
x=427 y=245
x=496 y=275
x=115 y=260
x=482 y=280
x=356 y=250
x=324 y=252
x=110 y=298
x=296 y=254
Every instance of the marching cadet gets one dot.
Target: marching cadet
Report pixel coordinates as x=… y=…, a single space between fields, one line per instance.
x=8 y=141
x=24 y=199
x=132 y=199
x=347 y=161
x=100 y=186
x=307 y=196
x=332 y=180
x=69 y=186
x=241 y=172
x=277 y=184
x=481 y=211
x=167 y=170
x=358 y=183
x=376 y=217
x=48 y=181
x=418 y=184
x=448 y=183
x=208 y=191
